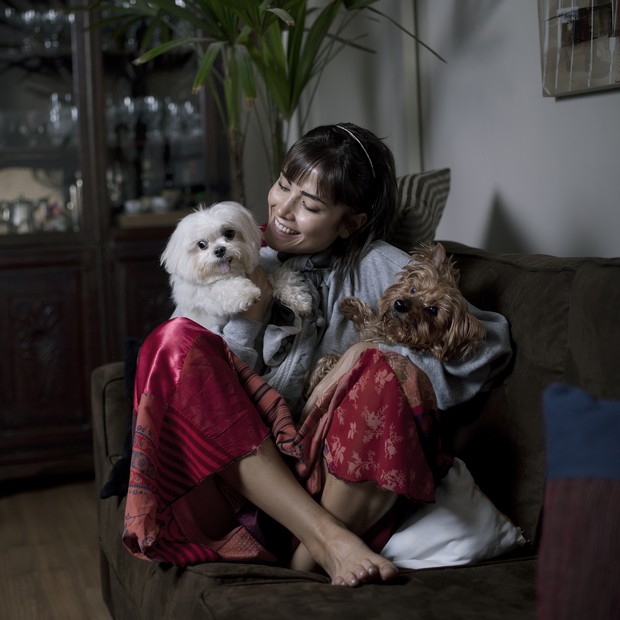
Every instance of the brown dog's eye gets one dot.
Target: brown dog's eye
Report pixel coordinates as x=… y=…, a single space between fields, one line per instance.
x=432 y=310
x=229 y=233
x=202 y=244
x=413 y=290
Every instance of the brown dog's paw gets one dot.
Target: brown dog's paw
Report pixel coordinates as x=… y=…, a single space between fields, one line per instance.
x=356 y=310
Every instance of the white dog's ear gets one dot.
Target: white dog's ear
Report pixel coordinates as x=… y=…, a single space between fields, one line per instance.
x=174 y=254
x=254 y=237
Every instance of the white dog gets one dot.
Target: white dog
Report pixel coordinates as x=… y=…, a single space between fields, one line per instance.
x=209 y=257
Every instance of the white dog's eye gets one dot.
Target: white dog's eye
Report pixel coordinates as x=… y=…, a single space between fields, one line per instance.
x=229 y=233
x=202 y=244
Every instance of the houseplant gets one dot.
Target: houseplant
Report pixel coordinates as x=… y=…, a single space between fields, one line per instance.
x=257 y=57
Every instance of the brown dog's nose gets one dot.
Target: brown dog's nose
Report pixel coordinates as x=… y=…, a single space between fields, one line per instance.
x=401 y=305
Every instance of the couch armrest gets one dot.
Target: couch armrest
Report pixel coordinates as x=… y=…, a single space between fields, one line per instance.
x=111 y=413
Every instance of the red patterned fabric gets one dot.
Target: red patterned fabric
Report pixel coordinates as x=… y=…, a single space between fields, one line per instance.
x=378 y=422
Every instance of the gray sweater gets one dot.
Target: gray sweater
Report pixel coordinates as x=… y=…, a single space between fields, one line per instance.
x=288 y=346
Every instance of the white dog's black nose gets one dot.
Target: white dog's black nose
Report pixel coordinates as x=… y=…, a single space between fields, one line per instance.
x=219 y=251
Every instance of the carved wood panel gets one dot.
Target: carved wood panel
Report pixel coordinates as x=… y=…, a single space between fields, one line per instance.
x=141 y=292
x=49 y=325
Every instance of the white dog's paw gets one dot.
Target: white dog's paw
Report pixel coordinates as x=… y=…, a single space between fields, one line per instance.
x=240 y=295
x=291 y=289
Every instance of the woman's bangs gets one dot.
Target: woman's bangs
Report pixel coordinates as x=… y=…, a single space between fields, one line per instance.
x=301 y=166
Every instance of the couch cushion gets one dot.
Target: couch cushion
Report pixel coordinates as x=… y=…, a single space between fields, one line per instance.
x=505 y=427
x=501 y=590
x=111 y=411
x=594 y=330
x=546 y=300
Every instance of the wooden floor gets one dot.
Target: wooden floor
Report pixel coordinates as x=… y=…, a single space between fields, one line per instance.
x=49 y=562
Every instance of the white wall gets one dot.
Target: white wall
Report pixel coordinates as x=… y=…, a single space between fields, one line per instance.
x=529 y=173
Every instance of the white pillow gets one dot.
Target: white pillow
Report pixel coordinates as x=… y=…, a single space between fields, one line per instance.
x=461 y=527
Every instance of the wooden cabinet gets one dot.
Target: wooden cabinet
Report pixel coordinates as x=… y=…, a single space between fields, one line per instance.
x=85 y=137
x=49 y=326
x=141 y=295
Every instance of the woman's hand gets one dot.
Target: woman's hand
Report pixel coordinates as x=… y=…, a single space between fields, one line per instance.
x=258 y=311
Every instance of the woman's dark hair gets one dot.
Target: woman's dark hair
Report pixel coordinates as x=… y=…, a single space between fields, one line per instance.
x=354 y=168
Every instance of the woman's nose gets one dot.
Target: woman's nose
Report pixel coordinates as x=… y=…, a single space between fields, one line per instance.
x=285 y=207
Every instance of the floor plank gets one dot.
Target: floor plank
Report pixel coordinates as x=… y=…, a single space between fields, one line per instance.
x=49 y=560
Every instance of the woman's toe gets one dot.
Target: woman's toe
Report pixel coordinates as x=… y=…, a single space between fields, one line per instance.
x=388 y=571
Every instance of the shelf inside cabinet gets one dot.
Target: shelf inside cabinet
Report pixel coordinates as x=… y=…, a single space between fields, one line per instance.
x=167 y=219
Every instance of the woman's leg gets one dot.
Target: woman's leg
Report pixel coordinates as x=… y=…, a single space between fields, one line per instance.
x=358 y=505
x=381 y=441
x=265 y=480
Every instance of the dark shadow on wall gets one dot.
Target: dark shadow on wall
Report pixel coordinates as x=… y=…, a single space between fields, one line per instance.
x=502 y=234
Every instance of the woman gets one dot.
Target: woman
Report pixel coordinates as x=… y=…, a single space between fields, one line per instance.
x=226 y=465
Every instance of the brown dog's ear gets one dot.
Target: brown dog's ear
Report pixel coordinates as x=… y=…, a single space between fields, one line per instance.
x=444 y=265
x=438 y=256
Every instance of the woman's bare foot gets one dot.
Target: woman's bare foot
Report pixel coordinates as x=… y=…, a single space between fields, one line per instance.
x=344 y=557
x=355 y=508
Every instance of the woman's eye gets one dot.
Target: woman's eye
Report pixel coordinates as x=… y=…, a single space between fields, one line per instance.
x=202 y=244
x=432 y=310
x=282 y=186
x=229 y=233
x=311 y=208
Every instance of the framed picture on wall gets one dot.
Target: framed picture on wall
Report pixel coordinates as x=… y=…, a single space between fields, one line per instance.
x=579 y=45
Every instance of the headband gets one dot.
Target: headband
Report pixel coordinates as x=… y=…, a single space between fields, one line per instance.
x=372 y=168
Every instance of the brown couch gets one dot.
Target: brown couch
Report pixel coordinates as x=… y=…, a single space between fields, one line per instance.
x=563 y=315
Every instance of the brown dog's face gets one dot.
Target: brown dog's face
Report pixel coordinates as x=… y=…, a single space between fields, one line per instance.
x=425 y=309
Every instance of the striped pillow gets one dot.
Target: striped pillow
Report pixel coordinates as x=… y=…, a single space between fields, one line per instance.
x=421 y=201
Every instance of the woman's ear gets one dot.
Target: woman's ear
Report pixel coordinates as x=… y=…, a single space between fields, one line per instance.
x=351 y=224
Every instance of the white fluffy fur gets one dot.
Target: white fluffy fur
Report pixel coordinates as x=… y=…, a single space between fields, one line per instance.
x=209 y=256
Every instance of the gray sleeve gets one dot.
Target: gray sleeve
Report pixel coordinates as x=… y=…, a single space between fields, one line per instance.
x=241 y=335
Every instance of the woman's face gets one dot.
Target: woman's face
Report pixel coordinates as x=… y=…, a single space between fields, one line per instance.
x=301 y=223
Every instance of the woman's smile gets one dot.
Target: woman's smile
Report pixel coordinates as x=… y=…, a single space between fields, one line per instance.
x=282 y=228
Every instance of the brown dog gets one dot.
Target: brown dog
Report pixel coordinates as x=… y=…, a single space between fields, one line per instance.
x=424 y=310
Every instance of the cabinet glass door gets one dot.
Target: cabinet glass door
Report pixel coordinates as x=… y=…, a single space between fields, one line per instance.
x=161 y=139
x=40 y=182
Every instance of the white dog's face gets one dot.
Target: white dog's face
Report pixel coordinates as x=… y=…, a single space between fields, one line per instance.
x=213 y=242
